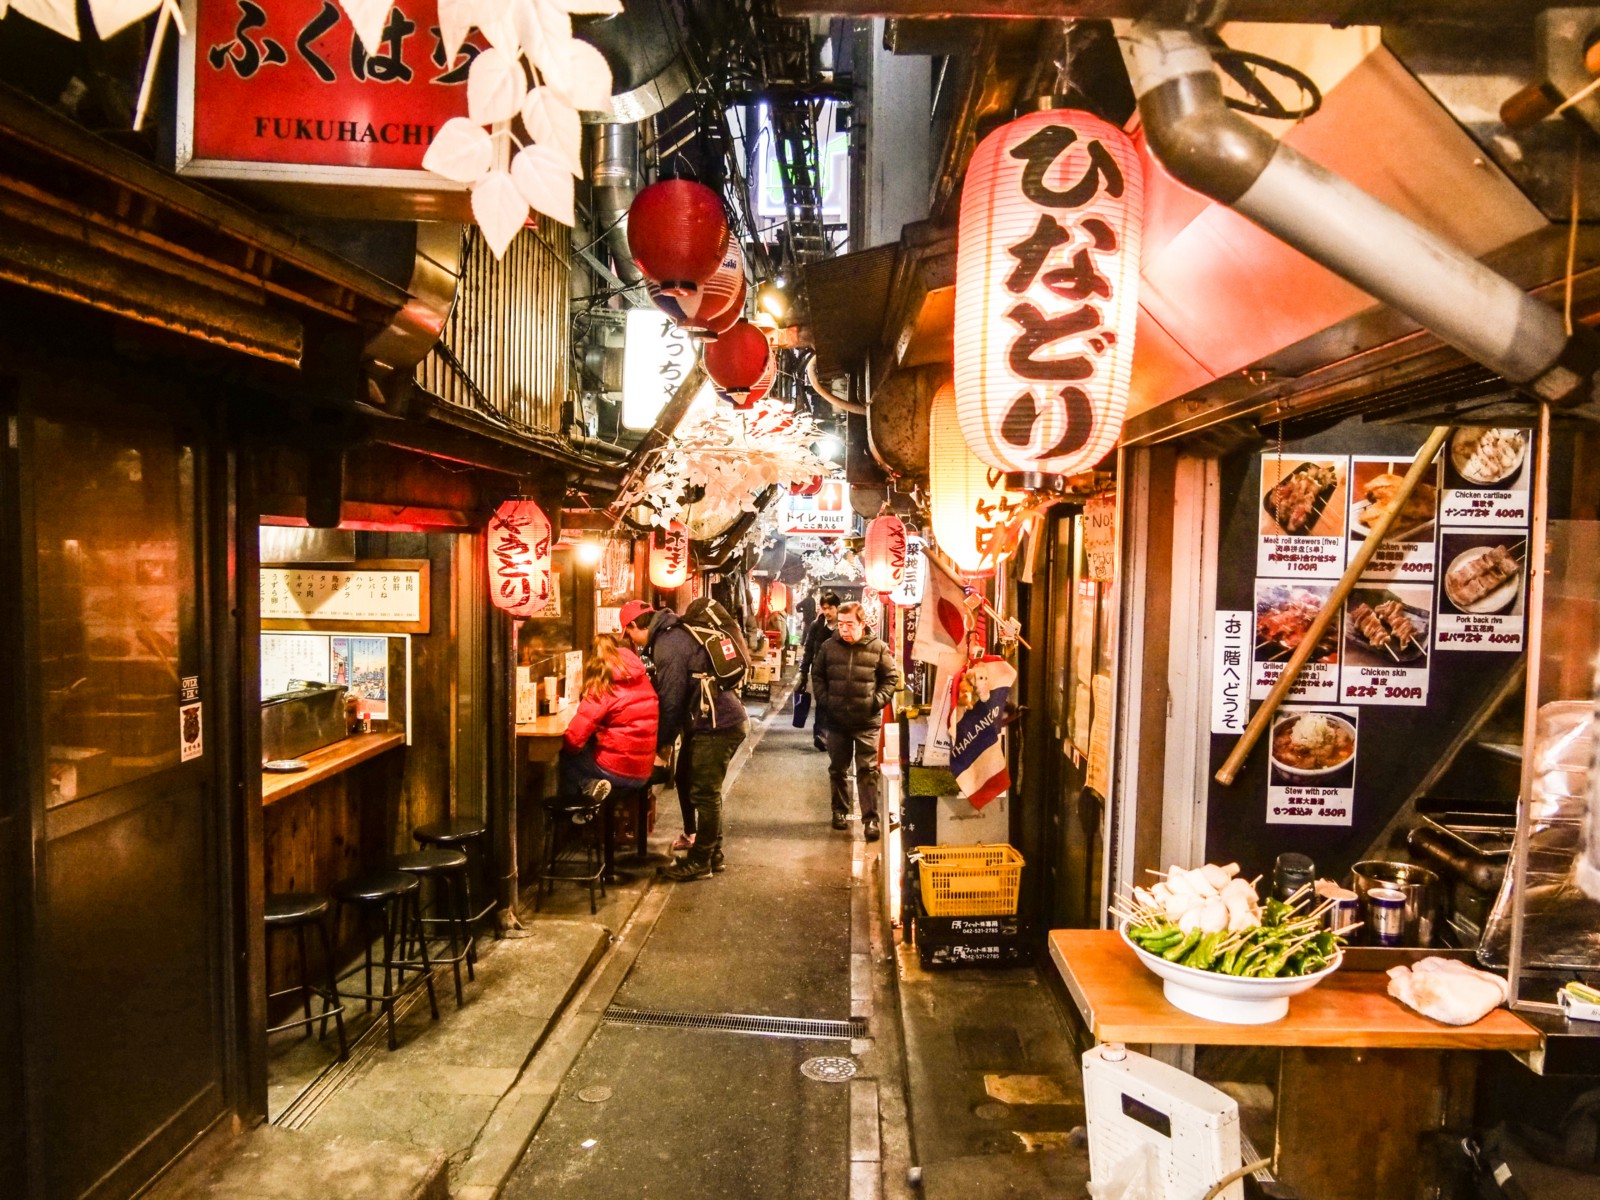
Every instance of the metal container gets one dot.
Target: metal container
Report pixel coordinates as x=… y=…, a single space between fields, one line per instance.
x=295 y=723
x=1344 y=906
x=1386 y=915
x=1418 y=885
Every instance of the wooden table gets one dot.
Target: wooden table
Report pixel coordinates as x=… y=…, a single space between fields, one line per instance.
x=1363 y=1080
x=326 y=761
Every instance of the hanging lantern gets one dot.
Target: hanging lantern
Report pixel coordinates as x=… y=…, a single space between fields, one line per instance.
x=778 y=597
x=669 y=557
x=519 y=558
x=970 y=503
x=678 y=234
x=884 y=557
x=1047 y=267
x=719 y=300
x=915 y=576
x=738 y=359
x=758 y=390
x=721 y=322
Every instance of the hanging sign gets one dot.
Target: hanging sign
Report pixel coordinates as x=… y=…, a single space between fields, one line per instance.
x=655 y=359
x=1047 y=267
x=909 y=593
x=885 y=553
x=669 y=556
x=387 y=595
x=1100 y=537
x=828 y=513
x=968 y=498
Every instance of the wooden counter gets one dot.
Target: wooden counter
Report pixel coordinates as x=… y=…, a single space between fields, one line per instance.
x=544 y=734
x=1121 y=1001
x=329 y=760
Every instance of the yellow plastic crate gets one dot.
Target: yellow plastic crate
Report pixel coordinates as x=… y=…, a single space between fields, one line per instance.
x=970 y=881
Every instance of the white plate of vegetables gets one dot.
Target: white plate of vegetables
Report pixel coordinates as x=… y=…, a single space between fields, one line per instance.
x=1223 y=955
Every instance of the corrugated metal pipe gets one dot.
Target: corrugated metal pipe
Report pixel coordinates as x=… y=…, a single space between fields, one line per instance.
x=1221 y=155
x=828 y=394
x=614 y=174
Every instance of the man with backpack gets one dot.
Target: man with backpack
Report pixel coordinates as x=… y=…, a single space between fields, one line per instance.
x=853 y=678
x=697 y=663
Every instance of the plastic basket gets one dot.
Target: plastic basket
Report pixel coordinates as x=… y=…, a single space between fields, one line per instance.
x=970 y=881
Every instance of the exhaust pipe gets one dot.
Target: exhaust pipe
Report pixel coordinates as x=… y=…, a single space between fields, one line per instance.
x=1327 y=218
x=614 y=173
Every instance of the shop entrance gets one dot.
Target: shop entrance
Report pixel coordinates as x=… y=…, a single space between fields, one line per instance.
x=121 y=1028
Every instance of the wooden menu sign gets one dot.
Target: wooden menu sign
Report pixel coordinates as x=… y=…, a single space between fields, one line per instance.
x=388 y=595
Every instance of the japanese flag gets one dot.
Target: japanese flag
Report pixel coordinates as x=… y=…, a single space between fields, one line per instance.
x=942 y=619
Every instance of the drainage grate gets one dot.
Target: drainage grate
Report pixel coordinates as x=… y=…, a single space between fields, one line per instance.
x=785 y=1027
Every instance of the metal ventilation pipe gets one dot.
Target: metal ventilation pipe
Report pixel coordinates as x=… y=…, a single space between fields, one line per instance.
x=614 y=172
x=1221 y=155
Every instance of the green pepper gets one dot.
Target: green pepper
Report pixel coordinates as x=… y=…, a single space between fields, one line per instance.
x=1204 y=953
x=1156 y=940
x=1230 y=960
x=1175 y=952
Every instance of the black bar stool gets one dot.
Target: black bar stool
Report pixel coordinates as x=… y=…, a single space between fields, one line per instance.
x=387 y=900
x=472 y=839
x=294 y=912
x=574 y=846
x=447 y=869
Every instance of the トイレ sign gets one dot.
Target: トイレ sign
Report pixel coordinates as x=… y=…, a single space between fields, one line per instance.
x=828 y=513
x=283 y=92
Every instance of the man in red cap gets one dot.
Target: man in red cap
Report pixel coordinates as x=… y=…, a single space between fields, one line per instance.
x=712 y=722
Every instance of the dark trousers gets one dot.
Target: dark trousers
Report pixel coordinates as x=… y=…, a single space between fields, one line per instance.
x=709 y=754
x=862 y=745
x=577 y=767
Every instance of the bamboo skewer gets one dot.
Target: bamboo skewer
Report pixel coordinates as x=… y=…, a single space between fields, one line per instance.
x=1420 y=466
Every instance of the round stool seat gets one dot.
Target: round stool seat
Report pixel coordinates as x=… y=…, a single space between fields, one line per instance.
x=373 y=887
x=450 y=833
x=426 y=862
x=288 y=909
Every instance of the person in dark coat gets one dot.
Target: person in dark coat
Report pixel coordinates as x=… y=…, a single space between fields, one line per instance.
x=819 y=632
x=853 y=677
x=711 y=721
x=612 y=736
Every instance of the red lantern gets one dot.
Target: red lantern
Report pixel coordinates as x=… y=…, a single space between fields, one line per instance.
x=719 y=300
x=669 y=557
x=884 y=557
x=678 y=234
x=778 y=597
x=1047 y=268
x=759 y=390
x=738 y=359
x=806 y=489
x=723 y=321
x=519 y=558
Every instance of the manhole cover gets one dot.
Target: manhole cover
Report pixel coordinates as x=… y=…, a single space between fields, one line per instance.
x=828 y=1069
x=992 y=1111
x=594 y=1095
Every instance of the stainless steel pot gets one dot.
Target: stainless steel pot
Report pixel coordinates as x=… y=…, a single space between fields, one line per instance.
x=1421 y=889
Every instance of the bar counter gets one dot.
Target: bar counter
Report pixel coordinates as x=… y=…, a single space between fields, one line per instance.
x=326 y=761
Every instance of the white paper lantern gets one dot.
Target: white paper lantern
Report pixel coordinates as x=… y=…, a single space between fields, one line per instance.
x=1047 y=268
x=669 y=557
x=519 y=558
x=884 y=556
x=968 y=497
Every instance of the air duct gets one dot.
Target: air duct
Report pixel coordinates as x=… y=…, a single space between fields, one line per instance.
x=392 y=355
x=828 y=394
x=643 y=45
x=1221 y=155
x=614 y=172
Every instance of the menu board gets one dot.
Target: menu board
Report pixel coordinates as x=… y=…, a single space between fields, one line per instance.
x=1483 y=550
x=373 y=596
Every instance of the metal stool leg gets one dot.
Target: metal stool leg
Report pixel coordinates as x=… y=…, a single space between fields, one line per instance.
x=422 y=944
x=389 y=935
x=447 y=898
x=332 y=1001
x=305 y=975
x=463 y=917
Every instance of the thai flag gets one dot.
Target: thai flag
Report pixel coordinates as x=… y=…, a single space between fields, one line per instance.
x=977 y=750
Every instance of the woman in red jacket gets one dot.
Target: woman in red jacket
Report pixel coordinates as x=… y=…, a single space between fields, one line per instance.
x=612 y=737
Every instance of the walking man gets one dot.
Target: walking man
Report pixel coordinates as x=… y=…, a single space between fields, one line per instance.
x=712 y=721
x=817 y=633
x=854 y=677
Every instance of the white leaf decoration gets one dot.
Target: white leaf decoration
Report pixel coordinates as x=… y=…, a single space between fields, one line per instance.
x=494 y=18
x=456 y=18
x=462 y=151
x=496 y=85
x=544 y=181
x=552 y=122
x=58 y=15
x=113 y=16
x=499 y=209
x=549 y=31
x=368 y=16
x=591 y=77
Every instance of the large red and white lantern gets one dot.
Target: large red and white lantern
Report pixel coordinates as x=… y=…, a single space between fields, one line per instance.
x=715 y=304
x=738 y=359
x=1047 y=267
x=759 y=390
x=678 y=233
x=519 y=558
x=968 y=498
x=884 y=556
x=669 y=557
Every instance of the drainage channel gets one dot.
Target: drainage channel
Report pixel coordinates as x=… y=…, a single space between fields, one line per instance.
x=803 y=1028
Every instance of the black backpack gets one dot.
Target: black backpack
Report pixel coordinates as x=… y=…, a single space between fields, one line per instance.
x=724 y=643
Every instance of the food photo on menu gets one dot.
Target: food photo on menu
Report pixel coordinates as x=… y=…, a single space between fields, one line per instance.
x=1313 y=748
x=1483 y=572
x=1302 y=498
x=1487 y=458
x=1387 y=626
x=1284 y=613
x=1375 y=488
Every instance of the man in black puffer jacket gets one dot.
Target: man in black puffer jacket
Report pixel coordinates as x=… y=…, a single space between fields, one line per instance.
x=853 y=677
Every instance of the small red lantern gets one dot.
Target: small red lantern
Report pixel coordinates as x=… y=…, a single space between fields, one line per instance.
x=778 y=597
x=737 y=359
x=717 y=301
x=806 y=489
x=884 y=557
x=1047 y=274
x=678 y=234
x=519 y=558
x=669 y=557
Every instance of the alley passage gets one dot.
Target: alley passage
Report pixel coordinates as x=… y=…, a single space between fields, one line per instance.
x=695 y=1113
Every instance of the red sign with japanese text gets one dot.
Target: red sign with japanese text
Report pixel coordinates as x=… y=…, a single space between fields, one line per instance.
x=288 y=82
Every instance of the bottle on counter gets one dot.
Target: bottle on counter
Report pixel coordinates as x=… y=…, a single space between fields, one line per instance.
x=1290 y=873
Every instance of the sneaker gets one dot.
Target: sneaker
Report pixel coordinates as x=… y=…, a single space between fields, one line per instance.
x=682 y=842
x=686 y=871
x=841 y=821
x=596 y=790
x=870 y=828
x=718 y=866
